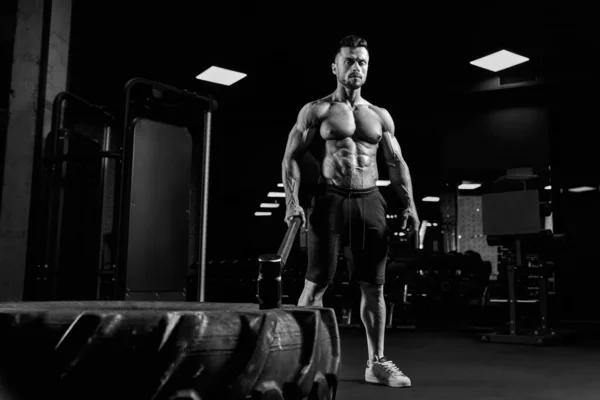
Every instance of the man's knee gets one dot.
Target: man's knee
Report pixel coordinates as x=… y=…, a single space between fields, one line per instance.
x=312 y=295
x=315 y=288
x=371 y=288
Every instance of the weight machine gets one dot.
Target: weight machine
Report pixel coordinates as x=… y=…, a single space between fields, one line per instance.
x=156 y=199
x=512 y=220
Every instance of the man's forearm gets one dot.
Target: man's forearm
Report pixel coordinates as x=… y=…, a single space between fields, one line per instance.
x=402 y=185
x=291 y=182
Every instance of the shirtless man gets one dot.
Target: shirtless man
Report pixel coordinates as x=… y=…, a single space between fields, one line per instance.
x=348 y=209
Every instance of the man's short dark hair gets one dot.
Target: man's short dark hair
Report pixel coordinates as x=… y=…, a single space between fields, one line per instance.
x=351 y=41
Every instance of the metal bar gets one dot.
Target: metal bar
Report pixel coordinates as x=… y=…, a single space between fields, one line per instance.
x=56 y=122
x=51 y=197
x=518 y=252
x=59 y=223
x=543 y=303
x=512 y=300
x=512 y=295
x=532 y=301
x=391 y=314
x=55 y=200
x=288 y=240
x=71 y=157
x=55 y=129
x=121 y=211
x=212 y=104
x=57 y=113
x=102 y=192
x=204 y=205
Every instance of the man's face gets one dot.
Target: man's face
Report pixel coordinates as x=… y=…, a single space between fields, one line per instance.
x=351 y=66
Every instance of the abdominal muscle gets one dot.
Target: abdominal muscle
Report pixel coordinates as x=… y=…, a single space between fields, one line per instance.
x=350 y=164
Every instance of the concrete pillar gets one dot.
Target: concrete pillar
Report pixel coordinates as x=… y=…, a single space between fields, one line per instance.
x=40 y=66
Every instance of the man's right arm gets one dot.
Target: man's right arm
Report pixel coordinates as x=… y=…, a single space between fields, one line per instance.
x=299 y=140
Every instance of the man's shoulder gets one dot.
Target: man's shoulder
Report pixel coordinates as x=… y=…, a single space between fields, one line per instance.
x=319 y=104
x=314 y=110
x=384 y=114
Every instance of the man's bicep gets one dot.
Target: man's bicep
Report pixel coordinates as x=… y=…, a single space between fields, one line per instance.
x=390 y=145
x=391 y=149
x=298 y=142
x=301 y=135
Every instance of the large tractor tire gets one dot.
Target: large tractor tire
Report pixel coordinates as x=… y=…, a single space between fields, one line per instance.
x=164 y=351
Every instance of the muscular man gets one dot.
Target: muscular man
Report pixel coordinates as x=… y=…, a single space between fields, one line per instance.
x=348 y=209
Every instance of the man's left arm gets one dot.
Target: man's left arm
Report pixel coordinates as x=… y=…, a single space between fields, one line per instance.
x=399 y=173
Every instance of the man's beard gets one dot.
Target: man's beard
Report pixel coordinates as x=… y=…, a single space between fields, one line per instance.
x=349 y=84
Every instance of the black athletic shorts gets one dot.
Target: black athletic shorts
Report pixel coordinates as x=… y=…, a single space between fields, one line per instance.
x=348 y=217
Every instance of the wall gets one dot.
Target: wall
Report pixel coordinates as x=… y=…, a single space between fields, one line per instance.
x=577 y=214
x=499 y=138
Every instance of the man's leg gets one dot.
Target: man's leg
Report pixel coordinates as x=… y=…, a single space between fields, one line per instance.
x=312 y=294
x=379 y=370
x=369 y=254
x=370 y=273
x=373 y=313
x=323 y=248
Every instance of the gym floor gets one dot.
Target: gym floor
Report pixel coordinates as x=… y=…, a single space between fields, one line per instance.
x=451 y=365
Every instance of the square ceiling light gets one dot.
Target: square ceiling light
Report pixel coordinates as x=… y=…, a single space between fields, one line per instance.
x=469 y=186
x=581 y=189
x=499 y=60
x=221 y=76
x=269 y=205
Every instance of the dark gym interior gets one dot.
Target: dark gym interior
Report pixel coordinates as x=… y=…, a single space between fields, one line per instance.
x=125 y=178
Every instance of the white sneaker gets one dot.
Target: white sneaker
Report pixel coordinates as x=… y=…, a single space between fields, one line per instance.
x=385 y=372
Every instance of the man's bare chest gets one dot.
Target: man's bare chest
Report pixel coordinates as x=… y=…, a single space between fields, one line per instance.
x=360 y=123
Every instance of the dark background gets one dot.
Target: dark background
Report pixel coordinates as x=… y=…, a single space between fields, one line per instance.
x=454 y=121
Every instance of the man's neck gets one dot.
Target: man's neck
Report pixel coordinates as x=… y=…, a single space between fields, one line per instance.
x=346 y=95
